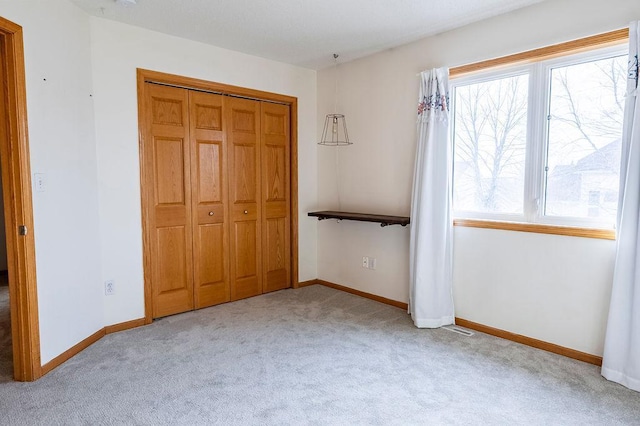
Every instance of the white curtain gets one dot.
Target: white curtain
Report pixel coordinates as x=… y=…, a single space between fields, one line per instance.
x=430 y=297
x=621 y=361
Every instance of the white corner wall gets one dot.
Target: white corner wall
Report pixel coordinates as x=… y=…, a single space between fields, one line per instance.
x=119 y=49
x=62 y=147
x=552 y=288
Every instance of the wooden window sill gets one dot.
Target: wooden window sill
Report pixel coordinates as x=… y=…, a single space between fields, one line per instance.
x=604 y=234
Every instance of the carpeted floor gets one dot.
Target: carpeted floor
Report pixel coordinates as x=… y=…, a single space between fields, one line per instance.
x=313 y=356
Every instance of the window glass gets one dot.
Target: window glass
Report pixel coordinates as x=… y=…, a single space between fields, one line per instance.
x=586 y=105
x=541 y=142
x=490 y=128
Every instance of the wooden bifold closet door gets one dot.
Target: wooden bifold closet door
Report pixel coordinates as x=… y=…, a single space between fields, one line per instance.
x=169 y=189
x=276 y=193
x=243 y=118
x=218 y=196
x=209 y=199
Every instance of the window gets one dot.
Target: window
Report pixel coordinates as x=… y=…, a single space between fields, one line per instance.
x=490 y=137
x=540 y=143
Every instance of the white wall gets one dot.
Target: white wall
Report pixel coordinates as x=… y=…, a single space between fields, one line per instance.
x=62 y=146
x=119 y=49
x=552 y=288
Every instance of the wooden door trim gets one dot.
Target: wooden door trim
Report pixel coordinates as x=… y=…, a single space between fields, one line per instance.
x=148 y=76
x=16 y=178
x=294 y=191
x=210 y=86
x=145 y=206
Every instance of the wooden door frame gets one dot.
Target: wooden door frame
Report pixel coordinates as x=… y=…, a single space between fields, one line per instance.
x=18 y=208
x=147 y=76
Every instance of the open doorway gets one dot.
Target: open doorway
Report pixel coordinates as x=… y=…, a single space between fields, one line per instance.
x=18 y=210
x=6 y=348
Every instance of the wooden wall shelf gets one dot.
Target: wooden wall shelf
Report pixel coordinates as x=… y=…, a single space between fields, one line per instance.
x=383 y=220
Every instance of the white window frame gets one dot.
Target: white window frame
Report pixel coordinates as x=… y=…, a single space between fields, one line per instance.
x=537 y=136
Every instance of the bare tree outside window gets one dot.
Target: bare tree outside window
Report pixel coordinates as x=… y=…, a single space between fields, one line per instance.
x=585 y=128
x=573 y=173
x=490 y=142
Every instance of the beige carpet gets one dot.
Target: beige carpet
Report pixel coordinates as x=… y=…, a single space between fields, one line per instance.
x=314 y=356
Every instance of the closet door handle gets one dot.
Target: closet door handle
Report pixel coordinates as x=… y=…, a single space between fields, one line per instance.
x=246 y=212
x=210 y=213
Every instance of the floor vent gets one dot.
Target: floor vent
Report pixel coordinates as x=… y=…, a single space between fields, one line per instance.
x=458 y=330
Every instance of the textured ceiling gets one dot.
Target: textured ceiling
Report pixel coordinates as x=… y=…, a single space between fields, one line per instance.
x=302 y=32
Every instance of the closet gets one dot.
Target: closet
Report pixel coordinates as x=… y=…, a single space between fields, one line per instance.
x=216 y=195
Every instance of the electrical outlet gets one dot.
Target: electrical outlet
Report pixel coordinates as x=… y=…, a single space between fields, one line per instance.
x=109 y=288
x=369 y=262
x=39 y=180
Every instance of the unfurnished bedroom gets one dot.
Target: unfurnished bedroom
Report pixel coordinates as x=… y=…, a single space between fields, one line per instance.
x=301 y=212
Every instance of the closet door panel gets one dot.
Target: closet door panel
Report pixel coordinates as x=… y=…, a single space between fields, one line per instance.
x=245 y=174
x=172 y=261
x=243 y=133
x=209 y=171
x=275 y=172
x=167 y=157
x=277 y=258
x=245 y=253
x=211 y=264
x=209 y=195
x=276 y=237
x=169 y=173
